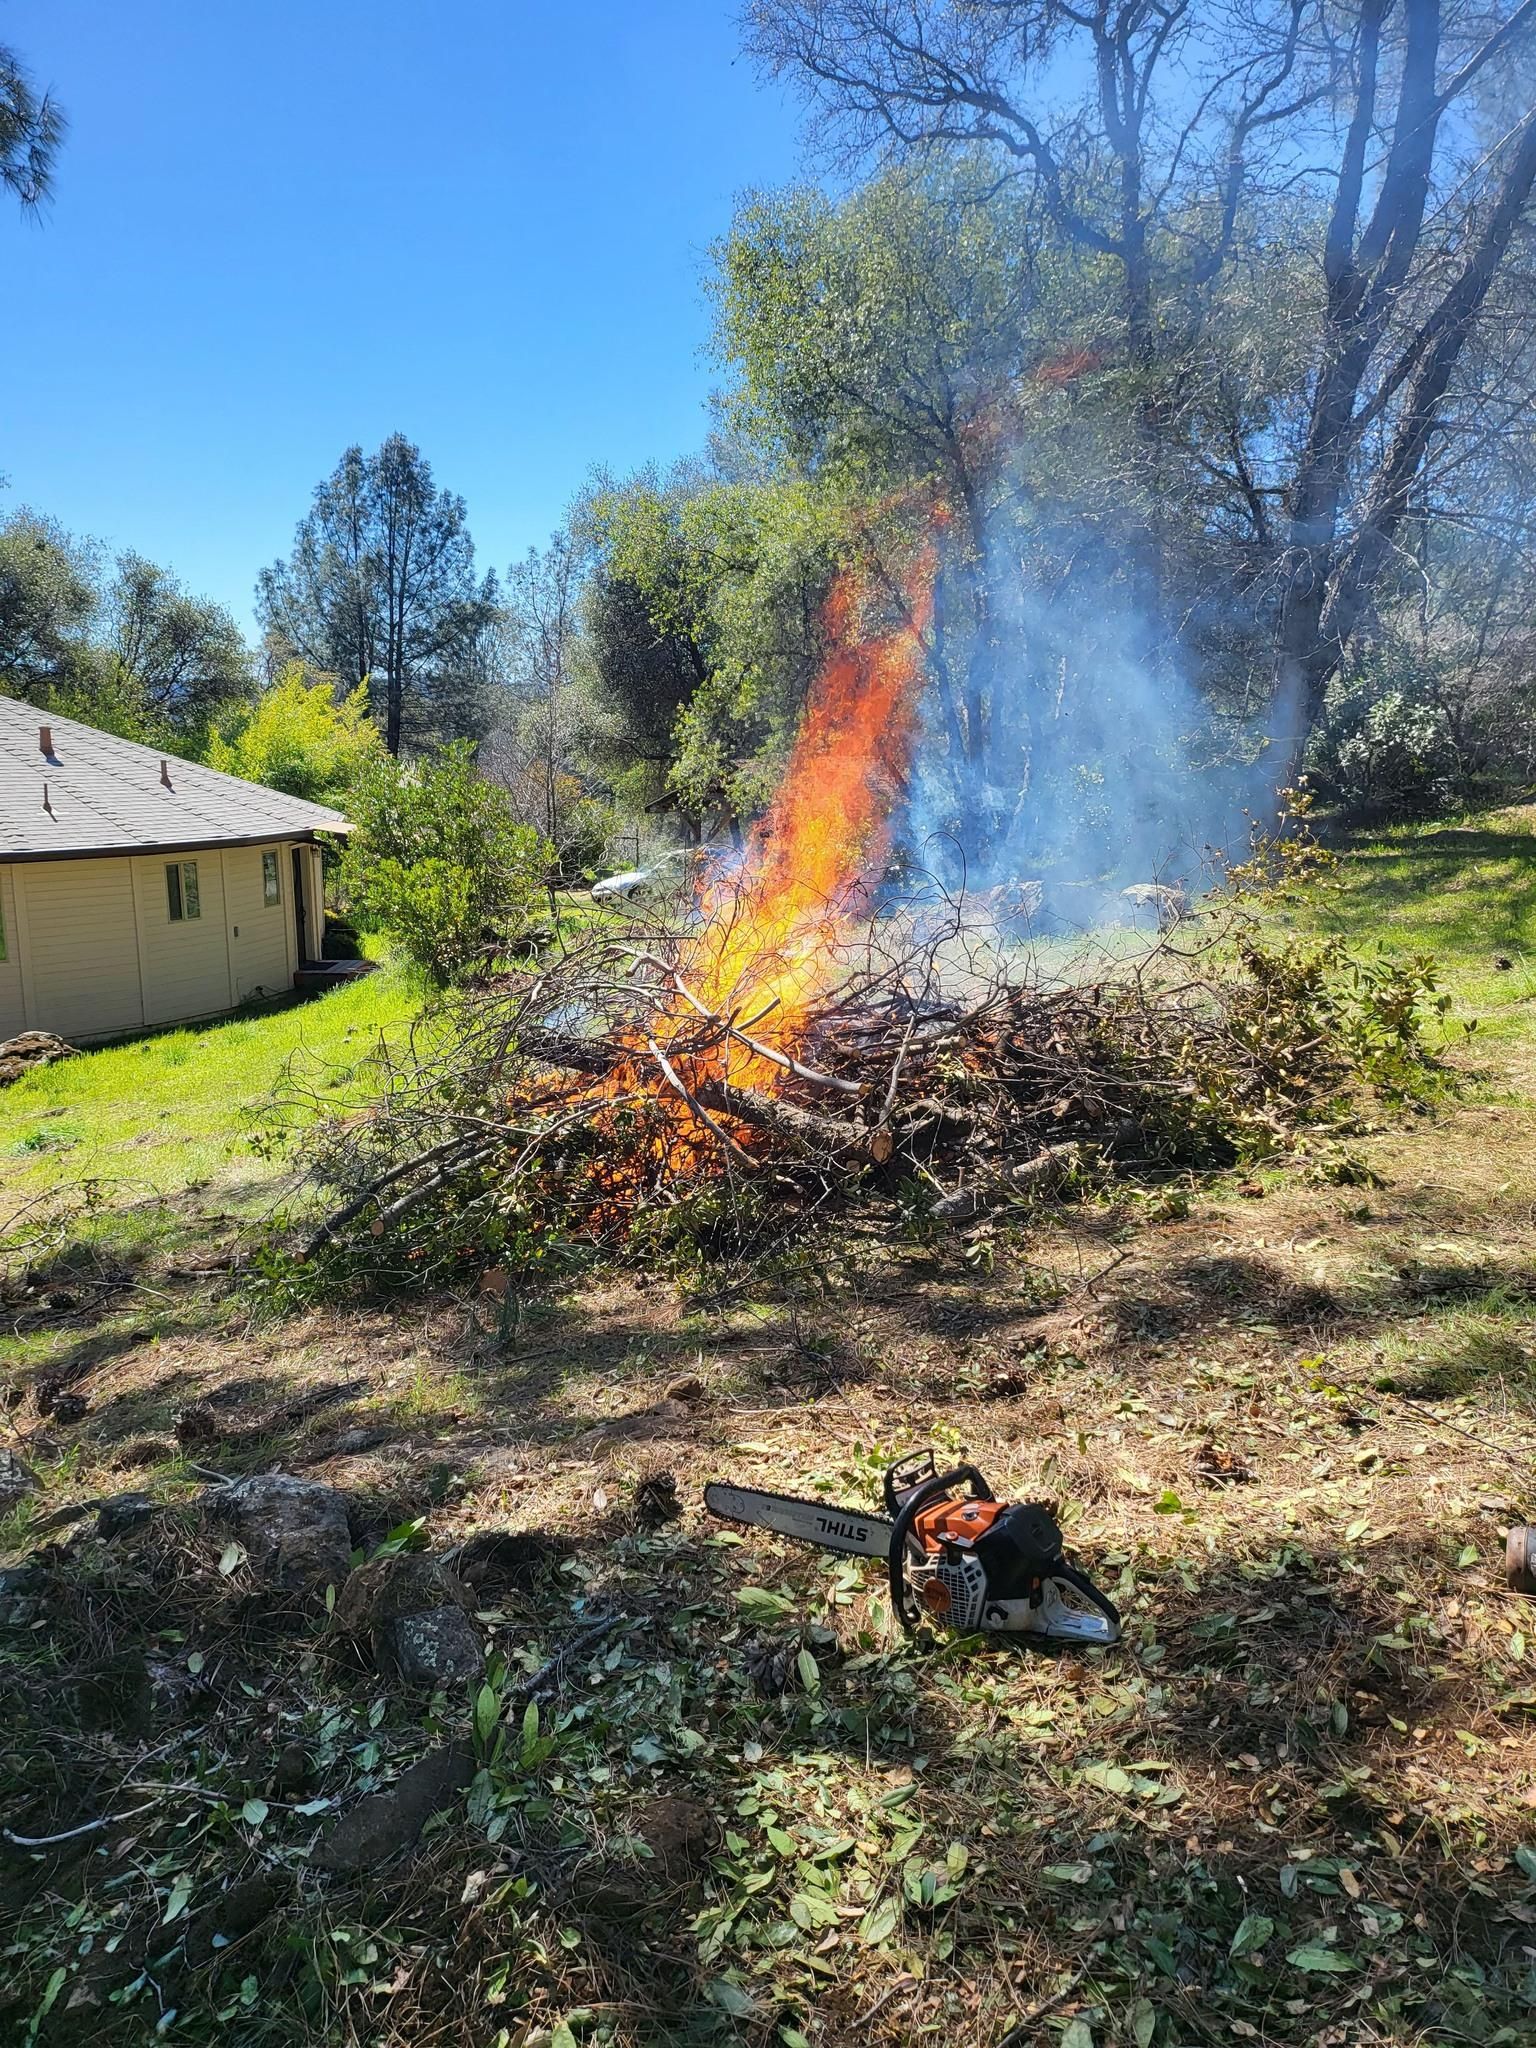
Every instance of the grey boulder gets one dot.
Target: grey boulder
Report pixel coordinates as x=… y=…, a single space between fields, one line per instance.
x=294 y=1530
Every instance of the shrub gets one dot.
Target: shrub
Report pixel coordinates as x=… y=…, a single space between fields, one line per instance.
x=300 y=738
x=437 y=862
x=1387 y=740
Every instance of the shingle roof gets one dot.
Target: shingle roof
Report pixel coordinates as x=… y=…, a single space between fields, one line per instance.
x=106 y=795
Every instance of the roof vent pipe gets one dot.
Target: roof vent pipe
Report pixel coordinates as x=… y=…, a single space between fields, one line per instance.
x=165 y=773
x=45 y=740
x=47 y=806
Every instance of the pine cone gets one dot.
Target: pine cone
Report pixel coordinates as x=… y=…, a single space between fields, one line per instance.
x=768 y=1664
x=656 y=1500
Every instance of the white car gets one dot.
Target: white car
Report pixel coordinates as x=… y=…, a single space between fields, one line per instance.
x=637 y=881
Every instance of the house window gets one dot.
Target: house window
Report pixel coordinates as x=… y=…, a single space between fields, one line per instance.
x=181 y=890
x=270 y=892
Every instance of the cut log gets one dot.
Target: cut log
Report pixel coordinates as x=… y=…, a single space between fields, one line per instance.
x=564 y=1049
x=1044 y=1175
x=1047 y=1172
x=806 y=1129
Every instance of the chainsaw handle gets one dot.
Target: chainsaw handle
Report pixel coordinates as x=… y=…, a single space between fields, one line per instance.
x=934 y=1487
x=906 y=1475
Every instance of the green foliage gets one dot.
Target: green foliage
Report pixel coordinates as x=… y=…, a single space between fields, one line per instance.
x=48 y=597
x=32 y=126
x=865 y=332
x=1311 y=1012
x=125 y=649
x=300 y=738
x=436 y=861
x=1387 y=738
x=705 y=623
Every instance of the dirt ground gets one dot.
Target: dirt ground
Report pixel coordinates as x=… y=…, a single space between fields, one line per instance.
x=1287 y=1421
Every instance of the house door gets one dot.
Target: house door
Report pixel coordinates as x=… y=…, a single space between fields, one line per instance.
x=300 y=906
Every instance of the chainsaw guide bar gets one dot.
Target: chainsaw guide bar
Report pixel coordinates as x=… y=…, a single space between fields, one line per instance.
x=806 y=1521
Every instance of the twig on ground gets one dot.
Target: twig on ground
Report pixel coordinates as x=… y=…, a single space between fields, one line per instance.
x=548 y=1673
x=903 y=1984
x=1038 y=2011
x=88 y=1827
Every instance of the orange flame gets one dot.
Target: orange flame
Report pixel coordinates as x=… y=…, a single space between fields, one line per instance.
x=771 y=937
x=771 y=934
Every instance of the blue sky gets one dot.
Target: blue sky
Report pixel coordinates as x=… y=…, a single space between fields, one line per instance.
x=279 y=228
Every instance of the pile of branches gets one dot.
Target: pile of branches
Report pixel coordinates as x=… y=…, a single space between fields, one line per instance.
x=601 y=1099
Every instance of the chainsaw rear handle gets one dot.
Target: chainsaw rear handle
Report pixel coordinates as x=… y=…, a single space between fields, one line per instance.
x=906 y=1503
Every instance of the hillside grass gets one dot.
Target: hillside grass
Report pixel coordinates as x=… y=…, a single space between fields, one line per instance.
x=154 y=1120
x=1462 y=889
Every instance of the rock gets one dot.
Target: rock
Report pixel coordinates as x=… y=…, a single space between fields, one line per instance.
x=411 y=1609
x=294 y=1530
x=388 y=1587
x=22 y=1587
x=438 y=1648
x=959 y=1207
x=387 y=1822
x=1164 y=901
x=29 y=1049
x=123 y=1511
x=17 y=1480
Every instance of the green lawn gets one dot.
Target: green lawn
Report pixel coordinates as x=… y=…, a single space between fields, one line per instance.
x=173 y=1111
x=1463 y=890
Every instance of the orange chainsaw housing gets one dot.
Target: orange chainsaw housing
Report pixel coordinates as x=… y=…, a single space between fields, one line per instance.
x=955 y=1521
x=946 y=1522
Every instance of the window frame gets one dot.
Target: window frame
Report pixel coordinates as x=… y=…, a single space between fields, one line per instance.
x=183 y=898
x=271 y=879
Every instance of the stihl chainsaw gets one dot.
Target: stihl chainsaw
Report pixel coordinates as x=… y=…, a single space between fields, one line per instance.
x=957 y=1555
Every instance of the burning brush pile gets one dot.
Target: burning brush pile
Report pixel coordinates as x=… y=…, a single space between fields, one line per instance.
x=784 y=1044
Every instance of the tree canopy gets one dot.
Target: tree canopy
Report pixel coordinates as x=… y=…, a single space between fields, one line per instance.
x=120 y=644
x=1392 y=148
x=31 y=128
x=380 y=587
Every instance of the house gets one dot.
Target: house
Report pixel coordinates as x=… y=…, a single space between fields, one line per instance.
x=139 y=889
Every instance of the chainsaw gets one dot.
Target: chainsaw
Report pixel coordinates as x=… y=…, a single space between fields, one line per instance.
x=957 y=1555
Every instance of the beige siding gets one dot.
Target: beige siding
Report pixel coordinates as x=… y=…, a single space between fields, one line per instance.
x=185 y=962
x=259 y=944
x=13 y=1014
x=75 y=923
